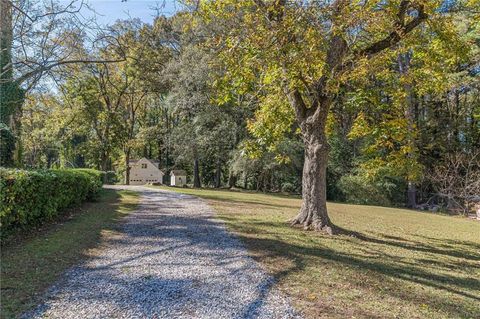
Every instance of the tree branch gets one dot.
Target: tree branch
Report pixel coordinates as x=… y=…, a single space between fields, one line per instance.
x=45 y=68
x=401 y=29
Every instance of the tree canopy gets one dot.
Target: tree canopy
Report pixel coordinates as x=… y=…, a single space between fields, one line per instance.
x=369 y=102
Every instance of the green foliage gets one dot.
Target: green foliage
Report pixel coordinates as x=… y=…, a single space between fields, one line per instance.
x=358 y=189
x=405 y=264
x=289 y=188
x=30 y=197
x=57 y=247
x=214 y=87
x=111 y=177
x=7 y=145
x=11 y=100
x=270 y=170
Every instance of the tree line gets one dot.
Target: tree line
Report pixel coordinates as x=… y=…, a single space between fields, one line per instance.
x=364 y=102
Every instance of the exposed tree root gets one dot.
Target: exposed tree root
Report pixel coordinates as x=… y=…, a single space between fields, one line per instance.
x=313 y=224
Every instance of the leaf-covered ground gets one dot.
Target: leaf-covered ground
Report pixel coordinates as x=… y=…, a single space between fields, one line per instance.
x=401 y=264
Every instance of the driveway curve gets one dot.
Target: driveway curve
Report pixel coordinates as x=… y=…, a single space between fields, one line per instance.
x=172 y=259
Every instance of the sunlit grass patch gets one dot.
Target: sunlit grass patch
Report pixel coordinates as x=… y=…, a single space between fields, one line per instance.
x=401 y=264
x=32 y=262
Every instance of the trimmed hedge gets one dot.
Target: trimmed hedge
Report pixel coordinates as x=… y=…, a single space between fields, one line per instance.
x=30 y=197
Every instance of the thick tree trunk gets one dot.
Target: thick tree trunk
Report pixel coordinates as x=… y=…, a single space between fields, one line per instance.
x=7 y=100
x=127 y=167
x=196 y=174
x=313 y=213
x=312 y=121
x=6 y=71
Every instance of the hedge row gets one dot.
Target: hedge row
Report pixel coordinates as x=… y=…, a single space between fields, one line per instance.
x=30 y=197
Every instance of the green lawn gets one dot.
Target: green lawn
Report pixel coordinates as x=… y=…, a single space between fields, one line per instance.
x=30 y=263
x=402 y=264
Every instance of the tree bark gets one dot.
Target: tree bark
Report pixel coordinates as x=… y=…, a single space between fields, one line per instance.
x=7 y=105
x=6 y=37
x=313 y=213
x=196 y=174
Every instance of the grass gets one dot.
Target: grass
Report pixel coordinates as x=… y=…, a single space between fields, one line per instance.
x=403 y=264
x=32 y=262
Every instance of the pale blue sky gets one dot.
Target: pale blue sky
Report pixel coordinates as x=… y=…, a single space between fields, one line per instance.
x=108 y=11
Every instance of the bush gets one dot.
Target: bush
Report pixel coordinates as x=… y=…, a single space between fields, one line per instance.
x=288 y=188
x=112 y=177
x=30 y=197
x=358 y=190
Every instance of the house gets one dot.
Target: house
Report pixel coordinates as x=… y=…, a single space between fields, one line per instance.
x=178 y=178
x=144 y=171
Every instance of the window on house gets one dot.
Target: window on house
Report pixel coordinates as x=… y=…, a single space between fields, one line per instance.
x=144 y=165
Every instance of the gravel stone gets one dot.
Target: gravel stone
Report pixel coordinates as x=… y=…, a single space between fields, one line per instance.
x=172 y=259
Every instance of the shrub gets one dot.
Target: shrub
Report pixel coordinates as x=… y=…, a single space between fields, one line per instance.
x=112 y=177
x=288 y=188
x=30 y=197
x=358 y=190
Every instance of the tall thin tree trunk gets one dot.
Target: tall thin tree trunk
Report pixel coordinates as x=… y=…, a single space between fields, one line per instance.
x=127 y=166
x=7 y=106
x=104 y=165
x=196 y=174
x=404 y=64
x=258 y=182
x=218 y=174
x=159 y=145
x=232 y=180
x=411 y=194
x=167 y=156
x=6 y=71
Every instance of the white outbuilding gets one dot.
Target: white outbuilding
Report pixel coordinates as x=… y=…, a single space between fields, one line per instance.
x=178 y=178
x=145 y=171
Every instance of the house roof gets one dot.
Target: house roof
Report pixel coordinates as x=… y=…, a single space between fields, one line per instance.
x=151 y=161
x=178 y=172
x=155 y=163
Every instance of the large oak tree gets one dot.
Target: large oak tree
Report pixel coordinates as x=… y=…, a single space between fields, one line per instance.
x=307 y=51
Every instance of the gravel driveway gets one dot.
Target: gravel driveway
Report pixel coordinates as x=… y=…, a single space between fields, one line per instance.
x=173 y=259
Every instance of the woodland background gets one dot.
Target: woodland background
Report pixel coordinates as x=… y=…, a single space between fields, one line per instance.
x=408 y=135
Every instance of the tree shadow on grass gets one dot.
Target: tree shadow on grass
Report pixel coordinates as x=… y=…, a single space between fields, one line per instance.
x=163 y=230
x=376 y=259
x=155 y=239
